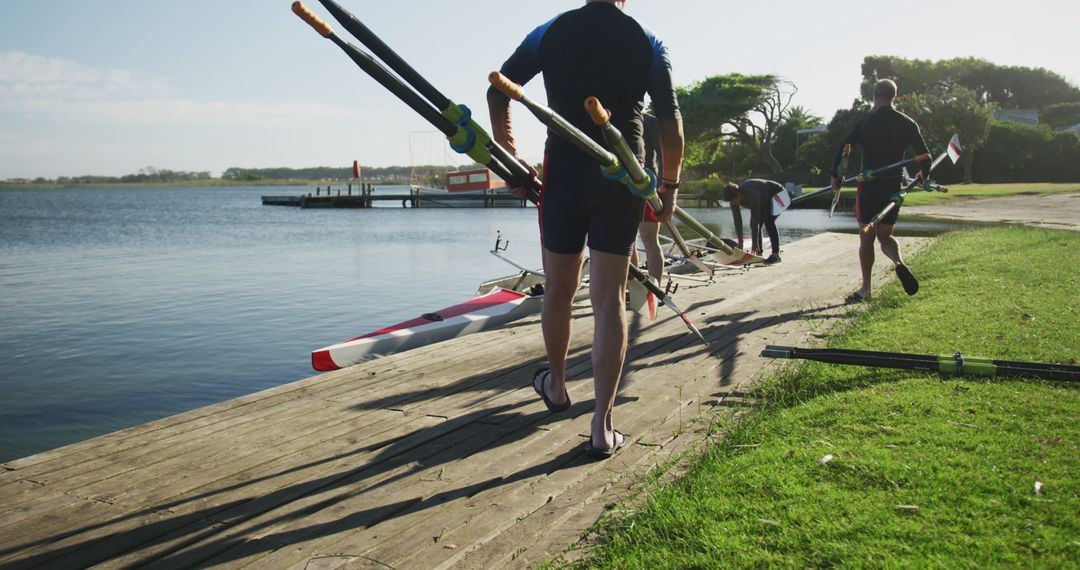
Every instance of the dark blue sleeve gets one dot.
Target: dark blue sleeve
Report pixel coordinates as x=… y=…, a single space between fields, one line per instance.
x=661 y=87
x=524 y=63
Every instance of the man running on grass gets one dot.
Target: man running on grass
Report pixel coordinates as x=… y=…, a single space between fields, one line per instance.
x=594 y=50
x=884 y=135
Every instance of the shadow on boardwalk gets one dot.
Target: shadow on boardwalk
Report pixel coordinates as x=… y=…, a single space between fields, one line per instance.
x=425 y=458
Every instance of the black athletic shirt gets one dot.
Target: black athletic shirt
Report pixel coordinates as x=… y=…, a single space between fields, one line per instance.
x=596 y=50
x=884 y=135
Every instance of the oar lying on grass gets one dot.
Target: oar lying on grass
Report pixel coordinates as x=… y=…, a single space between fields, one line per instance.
x=955 y=364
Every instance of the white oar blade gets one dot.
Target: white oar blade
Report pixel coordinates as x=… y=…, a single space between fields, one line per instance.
x=955 y=150
x=639 y=296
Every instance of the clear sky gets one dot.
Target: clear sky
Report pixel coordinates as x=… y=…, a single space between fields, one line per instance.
x=109 y=87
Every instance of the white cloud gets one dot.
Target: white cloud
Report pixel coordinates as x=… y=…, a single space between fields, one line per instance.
x=61 y=90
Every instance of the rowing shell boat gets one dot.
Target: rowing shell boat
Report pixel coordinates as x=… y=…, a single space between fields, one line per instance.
x=485 y=312
x=737 y=257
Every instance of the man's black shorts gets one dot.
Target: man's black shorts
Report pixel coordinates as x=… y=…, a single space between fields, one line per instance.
x=873 y=196
x=578 y=201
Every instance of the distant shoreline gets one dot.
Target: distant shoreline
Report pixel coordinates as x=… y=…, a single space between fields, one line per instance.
x=215 y=182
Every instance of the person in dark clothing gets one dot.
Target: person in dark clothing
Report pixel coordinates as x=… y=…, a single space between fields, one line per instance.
x=596 y=50
x=757 y=196
x=884 y=135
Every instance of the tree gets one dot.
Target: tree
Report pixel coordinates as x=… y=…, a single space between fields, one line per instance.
x=787 y=134
x=1060 y=115
x=941 y=112
x=816 y=154
x=1009 y=87
x=748 y=108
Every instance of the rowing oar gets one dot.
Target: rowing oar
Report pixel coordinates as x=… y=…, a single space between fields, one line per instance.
x=602 y=118
x=843 y=168
x=627 y=170
x=865 y=176
x=458 y=114
x=464 y=136
x=952 y=152
x=610 y=164
x=955 y=364
x=638 y=180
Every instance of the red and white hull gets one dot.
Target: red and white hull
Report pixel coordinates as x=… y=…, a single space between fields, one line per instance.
x=488 y=311
x=738 y=258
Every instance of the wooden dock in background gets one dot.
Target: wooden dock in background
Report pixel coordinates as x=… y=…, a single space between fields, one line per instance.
x=439 y=457
x=417 y=197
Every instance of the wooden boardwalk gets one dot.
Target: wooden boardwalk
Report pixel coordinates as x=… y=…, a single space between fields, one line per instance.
x=439 y=457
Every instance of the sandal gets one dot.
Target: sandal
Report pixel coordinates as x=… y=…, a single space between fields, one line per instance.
x=907 y=279
x=856 y=297
x=597 y=453
x=539 y=388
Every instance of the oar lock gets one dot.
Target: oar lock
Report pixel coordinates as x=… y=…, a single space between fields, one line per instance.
x=462 y=117
x=617 y=172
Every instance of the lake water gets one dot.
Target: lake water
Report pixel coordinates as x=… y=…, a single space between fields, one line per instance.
x=123 y=305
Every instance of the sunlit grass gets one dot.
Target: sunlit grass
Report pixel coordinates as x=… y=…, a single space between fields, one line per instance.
x=924 y=471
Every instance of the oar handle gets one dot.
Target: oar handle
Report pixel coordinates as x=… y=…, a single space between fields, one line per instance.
x=312 y=19
x=507 y=87
x=599 y=115
x=922 y=157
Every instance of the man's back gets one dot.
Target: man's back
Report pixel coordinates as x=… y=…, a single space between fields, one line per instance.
x=596 y=50
x=884 y=135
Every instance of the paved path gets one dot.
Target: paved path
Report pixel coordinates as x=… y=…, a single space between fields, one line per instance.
x=438 y=457
x=1056 y=211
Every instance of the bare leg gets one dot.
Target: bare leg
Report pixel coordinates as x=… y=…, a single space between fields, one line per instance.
x=607 y=291
x=654 y=256
x=889 y=245
x=563 y=274
x=866 y=260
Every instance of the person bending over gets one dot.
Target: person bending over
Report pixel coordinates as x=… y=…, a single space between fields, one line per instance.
x=756 y=195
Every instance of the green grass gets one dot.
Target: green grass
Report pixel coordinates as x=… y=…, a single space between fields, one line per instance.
x=976 y=191
x=925 y=472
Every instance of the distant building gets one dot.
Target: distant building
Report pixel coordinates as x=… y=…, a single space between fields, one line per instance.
x=472 y=180
x=808 y=132
x=1029 y=117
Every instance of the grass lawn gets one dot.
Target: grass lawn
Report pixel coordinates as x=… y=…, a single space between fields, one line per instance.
x=924 y=471
x=974 y=191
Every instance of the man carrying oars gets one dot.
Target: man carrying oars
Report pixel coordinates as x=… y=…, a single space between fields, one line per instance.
x=884 y=135
x=598 y=51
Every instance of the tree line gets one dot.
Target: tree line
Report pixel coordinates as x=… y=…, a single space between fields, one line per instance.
x=143 y=176
x=428 y=175
x=739 y=125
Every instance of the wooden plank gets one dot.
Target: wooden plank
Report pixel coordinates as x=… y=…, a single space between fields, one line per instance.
x=323 y=465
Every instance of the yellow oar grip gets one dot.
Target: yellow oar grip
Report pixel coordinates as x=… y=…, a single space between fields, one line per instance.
x=508 y=88
x=597 y=112
x=922 y=157
x=313 y=20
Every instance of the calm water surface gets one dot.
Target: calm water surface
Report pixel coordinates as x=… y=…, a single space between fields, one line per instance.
x=121 y=306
